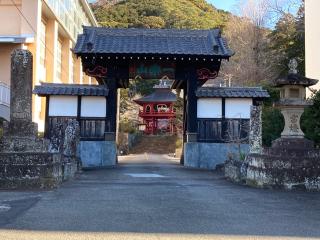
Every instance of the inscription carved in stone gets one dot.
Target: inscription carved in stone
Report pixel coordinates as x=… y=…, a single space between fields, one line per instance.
x=294 y=123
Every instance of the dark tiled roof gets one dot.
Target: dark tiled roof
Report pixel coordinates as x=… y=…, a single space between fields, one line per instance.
x=152 y=41
x=232 y=92
x=46 y=89
x=160 y=95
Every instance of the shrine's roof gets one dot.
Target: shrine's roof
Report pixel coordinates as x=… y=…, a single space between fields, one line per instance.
x=46 y=89
x=176 y=42
x=158 y=96
x=232 y=92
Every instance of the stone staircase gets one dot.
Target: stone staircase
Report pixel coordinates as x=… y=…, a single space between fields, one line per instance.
x=155 y=144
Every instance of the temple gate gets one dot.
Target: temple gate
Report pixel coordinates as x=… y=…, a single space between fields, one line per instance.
x=189 y=57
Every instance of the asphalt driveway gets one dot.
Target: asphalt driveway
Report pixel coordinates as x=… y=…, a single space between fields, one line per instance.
x=153 y=197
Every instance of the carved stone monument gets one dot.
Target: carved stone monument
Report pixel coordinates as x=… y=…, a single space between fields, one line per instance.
x=21 y=95
x=255 y=134
x=25 y=161
x=20 y=134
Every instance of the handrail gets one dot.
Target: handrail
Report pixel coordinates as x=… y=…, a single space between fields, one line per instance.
x=4 y=94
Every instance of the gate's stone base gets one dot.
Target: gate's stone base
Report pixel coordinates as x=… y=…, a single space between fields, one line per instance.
x=29 y=170
x=96 y=154
x=209 y=155
x=288 y=164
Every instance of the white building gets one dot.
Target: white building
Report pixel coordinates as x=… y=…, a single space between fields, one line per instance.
x=312 y=21
x=49 y=29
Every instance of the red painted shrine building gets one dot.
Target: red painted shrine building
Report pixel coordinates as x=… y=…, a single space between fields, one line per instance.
x=157 y=112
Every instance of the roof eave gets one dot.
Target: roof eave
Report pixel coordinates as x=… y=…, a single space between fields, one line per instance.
x=17 y=39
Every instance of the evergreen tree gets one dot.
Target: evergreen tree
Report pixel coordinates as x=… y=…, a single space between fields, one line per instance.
x=191 y=14
x=287 y=41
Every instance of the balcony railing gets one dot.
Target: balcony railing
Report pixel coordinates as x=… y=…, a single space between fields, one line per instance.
x=4 y=94
x=141 y=112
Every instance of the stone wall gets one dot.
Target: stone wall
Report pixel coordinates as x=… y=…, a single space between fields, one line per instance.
x=34 y=170
x=27 y=162
x=209 y=155
x=97 y=154
x=288 y=164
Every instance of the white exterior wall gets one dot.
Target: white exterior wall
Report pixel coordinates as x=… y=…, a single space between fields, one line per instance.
x=63 y=106
x=238 y=107
x=67 y=106
x=93 y=107
x=234 y=107
x=312 y=20
x=209 y=108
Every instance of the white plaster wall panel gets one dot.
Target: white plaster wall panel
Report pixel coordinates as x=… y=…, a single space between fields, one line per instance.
x=238 y=107
x=63 y=106
x=209 y=108
x=93 y=107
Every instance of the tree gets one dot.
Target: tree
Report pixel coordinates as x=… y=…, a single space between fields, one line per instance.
x=287 y=41
x=248 y=37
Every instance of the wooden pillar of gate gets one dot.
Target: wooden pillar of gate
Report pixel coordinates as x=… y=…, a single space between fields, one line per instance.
x=111 y=82
x=191 y=117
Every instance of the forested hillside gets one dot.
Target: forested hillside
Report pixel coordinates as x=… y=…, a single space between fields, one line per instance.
x=193 y=14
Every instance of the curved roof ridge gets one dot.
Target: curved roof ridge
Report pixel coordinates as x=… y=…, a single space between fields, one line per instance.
x=152 y=41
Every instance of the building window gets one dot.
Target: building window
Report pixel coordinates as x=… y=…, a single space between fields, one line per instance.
x=43 y=44
x=71 y=14
x=59 y=62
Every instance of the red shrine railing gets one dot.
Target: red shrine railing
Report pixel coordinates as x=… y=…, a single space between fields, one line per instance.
x=170 y=113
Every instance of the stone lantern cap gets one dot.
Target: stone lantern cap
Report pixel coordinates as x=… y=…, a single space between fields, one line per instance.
x=295 y=79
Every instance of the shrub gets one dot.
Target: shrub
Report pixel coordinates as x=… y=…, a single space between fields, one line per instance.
x=127 y=126
x=272 y=119
x=272 y=125
x=310 y=120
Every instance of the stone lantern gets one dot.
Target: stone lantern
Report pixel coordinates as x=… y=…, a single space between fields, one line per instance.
x=291 y=162
x=293 y=100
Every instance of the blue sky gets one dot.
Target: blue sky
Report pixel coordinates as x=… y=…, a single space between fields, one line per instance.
x=223 y=4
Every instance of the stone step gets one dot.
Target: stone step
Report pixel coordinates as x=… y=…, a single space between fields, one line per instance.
x=155 y=144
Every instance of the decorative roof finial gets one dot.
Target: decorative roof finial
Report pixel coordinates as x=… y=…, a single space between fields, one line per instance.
x=164 y=82
x=293 y=64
